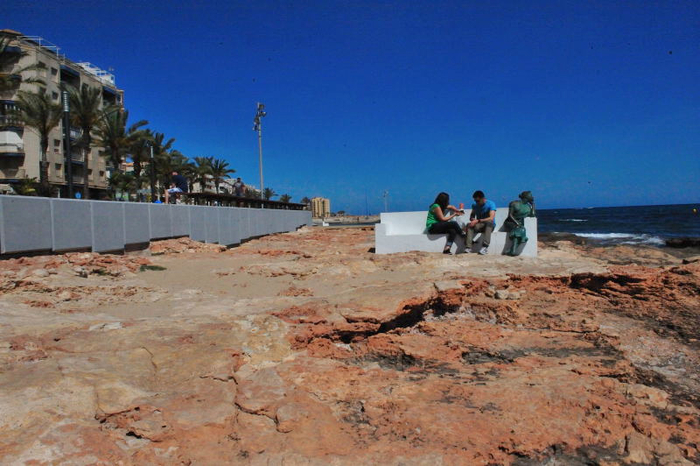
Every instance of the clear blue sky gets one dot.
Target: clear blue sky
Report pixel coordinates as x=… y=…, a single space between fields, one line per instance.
x=591 y=103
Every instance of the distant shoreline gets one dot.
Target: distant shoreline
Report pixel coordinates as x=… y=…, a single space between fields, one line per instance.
x=348 y=220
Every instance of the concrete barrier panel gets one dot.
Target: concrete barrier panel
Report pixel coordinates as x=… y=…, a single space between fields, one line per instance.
x=107 y=226
x=161 y=223
x=198 y=231
x=137 y=223
x=25 y=224
x=279 y=221
x=72 y=224
x=234 y=222
x=180 y=218
x=257 y=222
x=264 y=224
x=225 y=231
x=211 y=222
x=244 y=223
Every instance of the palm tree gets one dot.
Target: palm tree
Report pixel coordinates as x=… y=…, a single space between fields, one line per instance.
x=161 y=149
x=140 y=150
x=306 y=201
x=26 y=187
x=10 y=81
x=113 y=134
x=285 y=198
x=169 y=162
x=37 y=111
x=123 y=182
x=85 y=113
x=268 y=194
x=202 y=171
x=251 y=193
x=219 y=170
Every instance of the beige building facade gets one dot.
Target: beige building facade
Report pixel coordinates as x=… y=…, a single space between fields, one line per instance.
x=20 y=151
x=320 y=207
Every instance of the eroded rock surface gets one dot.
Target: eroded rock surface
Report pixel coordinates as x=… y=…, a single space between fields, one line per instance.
x=307 y=348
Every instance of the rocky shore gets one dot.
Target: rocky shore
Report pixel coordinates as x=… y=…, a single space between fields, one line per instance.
x=307 y=348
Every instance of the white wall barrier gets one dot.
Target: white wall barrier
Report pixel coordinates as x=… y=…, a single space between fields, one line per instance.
x=35 y=224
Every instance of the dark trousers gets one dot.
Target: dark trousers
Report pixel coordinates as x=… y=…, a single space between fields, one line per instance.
x=452 y=229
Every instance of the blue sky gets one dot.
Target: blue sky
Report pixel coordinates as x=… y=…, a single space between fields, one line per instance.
x=591 y=103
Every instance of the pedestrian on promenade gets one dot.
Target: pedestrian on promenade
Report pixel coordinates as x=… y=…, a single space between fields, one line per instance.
x=178 y=185
x=239 y=187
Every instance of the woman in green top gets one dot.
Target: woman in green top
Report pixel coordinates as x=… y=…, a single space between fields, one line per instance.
x=438 y=223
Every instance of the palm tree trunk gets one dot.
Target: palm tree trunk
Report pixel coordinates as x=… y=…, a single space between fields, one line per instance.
x=44 y=169
x=86 y=166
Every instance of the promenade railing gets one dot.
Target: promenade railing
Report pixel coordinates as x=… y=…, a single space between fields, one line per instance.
x=229 y=200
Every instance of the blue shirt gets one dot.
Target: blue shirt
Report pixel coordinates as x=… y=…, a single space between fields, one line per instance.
x=482 y=211
x=180 y=182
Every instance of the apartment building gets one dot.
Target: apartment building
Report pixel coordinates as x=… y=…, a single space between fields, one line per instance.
x=320 y=207
x=20 y=150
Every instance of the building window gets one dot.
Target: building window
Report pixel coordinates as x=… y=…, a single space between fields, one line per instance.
x=57 y=168
x=54 y=95
x=102 y=173
x=54 y=72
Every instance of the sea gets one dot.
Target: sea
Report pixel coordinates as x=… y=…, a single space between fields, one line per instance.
x=647 y=225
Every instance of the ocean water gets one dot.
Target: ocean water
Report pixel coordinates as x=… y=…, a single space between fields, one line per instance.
x=650 y=225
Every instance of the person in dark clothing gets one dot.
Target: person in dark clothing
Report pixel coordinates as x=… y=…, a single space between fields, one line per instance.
x=438 y=223
x=239 y=187
x=178 y=186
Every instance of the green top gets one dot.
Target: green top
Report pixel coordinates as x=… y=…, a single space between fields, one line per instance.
x=432 y=219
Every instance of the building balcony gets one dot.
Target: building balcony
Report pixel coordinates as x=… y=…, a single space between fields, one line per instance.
x=8 y=119
x=5 y=152
x=11 y=144
x=13 y=173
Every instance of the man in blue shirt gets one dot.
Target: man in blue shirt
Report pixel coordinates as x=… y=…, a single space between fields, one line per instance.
x=482 y=220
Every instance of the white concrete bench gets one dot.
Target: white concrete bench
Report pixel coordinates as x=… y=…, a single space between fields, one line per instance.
x=405 y=231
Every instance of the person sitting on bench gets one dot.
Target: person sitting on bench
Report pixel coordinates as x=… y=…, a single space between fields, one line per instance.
x=177 y=187
x=438 y=223
x=482 y=220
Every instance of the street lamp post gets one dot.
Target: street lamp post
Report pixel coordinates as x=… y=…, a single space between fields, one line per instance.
x=257 y=126
x=153 y=174
x=66 y=142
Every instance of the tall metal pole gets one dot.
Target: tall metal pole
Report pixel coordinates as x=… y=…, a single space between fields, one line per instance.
x=66 y=143
x=153 y=176
x=257 y=126
x=262 y=185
